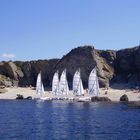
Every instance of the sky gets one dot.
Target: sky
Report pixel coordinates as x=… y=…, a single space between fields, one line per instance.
x=45 y=29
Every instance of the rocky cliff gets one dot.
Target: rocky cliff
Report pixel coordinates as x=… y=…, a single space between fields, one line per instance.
x=128 y=66
x=85 y=58
x=112 y=66
x=25 y=73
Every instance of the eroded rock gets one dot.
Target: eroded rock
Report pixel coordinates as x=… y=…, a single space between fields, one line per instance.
x=100 y=99
x=124 y=98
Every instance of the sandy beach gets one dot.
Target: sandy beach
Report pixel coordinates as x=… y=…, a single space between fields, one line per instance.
x=113 y=94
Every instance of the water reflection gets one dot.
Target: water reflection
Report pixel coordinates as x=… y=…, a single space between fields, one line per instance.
x=67 y=120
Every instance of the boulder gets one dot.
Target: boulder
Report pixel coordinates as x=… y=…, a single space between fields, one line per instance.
x=19 y=97
x=29 y=98
x=124 y=98
x=100 y=99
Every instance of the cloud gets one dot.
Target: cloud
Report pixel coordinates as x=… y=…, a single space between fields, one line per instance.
x=8 y=55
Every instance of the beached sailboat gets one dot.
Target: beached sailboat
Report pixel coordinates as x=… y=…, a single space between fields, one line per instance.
x=39 y=86
x=63 y=84
x=55 y=84
x=93 y=84
x=77 y=84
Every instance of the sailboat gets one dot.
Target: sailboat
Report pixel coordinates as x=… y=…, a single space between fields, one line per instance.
x=55 y=84
x=63 y=84
x=39 y=87
x=93 y=84
x=77 y=84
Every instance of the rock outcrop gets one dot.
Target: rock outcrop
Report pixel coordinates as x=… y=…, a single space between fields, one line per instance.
x=20 y=73
x=100 y=99
x=10 y=73
x=85 y=58
x=112 y=66
x=124 y=98
x=19 y=97
x=128 y=66
x=32 y=68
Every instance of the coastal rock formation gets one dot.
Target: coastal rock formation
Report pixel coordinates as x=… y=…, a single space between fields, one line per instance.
x=128 y=66
x=29 y=98
x=25 y=73
x=19 y=97
x=32 y=68
x=121 y=66
x=109 y=56
x=5 y=81
x=124 y=98
x=10 y=70
x=85 y=58
x=100 y=99
x=10 y=74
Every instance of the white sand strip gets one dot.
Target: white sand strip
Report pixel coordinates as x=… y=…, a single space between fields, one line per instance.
x=113 y=94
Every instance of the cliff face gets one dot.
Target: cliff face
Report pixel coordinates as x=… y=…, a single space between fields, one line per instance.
x=25 y=73
x=112 y=66
x=32 y=68
x=10 y=74
x=128 y=65
x=85 y=58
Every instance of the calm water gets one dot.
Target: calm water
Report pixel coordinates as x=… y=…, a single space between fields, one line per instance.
x=62 y=120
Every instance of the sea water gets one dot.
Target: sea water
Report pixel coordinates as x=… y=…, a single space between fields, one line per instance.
x=59 y=120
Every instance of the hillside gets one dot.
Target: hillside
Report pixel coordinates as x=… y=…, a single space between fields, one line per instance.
x=112 y=66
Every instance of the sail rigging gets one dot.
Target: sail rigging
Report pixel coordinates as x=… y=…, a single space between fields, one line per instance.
x=55 y=84
x=93 y=84
x=77 y=84
x=63 y=84
x=39 y=86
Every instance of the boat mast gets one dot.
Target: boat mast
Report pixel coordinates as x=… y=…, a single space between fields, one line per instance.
x=57 y=86
x=80 y=80
x=65 y=82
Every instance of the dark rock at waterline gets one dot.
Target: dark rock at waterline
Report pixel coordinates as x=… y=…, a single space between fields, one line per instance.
x=19 y=97
x=100 y=99
x=124 y=98
x=29 y=98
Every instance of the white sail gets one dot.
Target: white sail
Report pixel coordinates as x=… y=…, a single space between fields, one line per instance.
x=93 y=84
x=63 y=84
x=77 y=84
x=55 y=84
x=39 y=86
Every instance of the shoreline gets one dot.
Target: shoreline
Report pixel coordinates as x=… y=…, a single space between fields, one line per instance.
x=113 y=94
